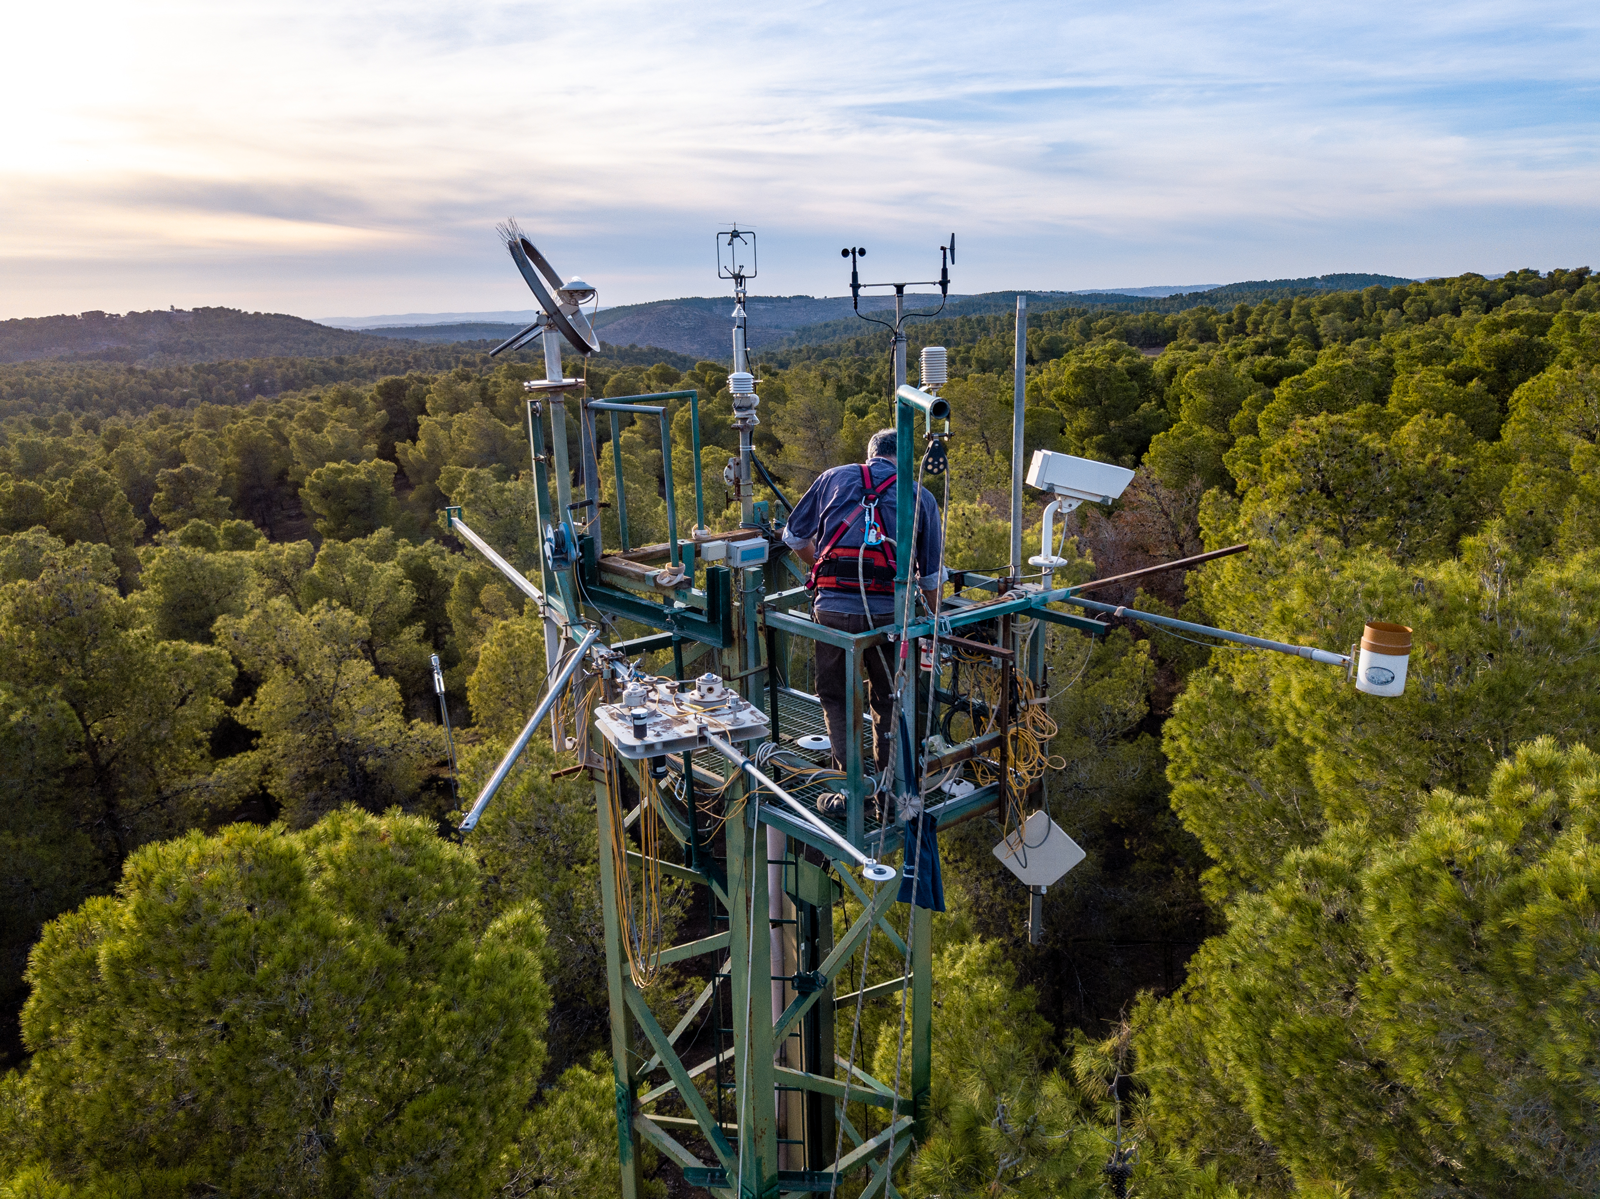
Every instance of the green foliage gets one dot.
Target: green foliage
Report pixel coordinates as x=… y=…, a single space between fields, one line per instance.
x=1397 y=1006
x=352 y=499
x=567 y=1149
x=1266 y=754
x=353 y=1028
x=331 y=729
x=1422 y=452
x=1109 y=400
x=130 y=713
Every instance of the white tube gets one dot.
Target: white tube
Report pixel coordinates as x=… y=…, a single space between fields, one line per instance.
x=518 y=579
x=521 y=743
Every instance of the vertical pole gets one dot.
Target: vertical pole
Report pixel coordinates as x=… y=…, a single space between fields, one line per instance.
x=1019 y=393
x=699 y=487
x=591 y=470
x=899 y=336
x=558 y=456
x=922 y=1024
x=907 y=498
x=622 y=495
x=1004 y=721
x=621 y=1019
x=773 y=681
x=747 y=487
x=672 y=502
x=541 y=500
x=749 y=921
x=855 y=825
x=779 y=949
x=552 y=353
x=819 y=1040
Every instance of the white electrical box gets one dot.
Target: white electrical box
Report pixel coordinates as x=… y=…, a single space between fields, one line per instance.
x=1077 y=478
x=752 y=552
x=659 y=719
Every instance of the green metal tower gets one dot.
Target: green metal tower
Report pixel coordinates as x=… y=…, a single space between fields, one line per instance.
x=765 y=1107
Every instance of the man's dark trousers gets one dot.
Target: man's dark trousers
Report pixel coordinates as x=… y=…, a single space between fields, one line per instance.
x=831 y=682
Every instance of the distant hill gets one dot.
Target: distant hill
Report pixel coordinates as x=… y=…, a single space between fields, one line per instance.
x=1001 y=302
x=173 y=337
x=493 y=332
x=678 y=331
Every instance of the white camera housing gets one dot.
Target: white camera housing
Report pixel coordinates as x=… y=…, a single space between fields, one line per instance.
x=1077 y=479
x=1071 y=481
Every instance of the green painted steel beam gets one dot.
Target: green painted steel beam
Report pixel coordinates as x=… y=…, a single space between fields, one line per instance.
x=693 y=949
x=867 y=1148
x=695 y=1071
x=922 y=1020
x=714 y=627
x=749 y=920
x=1095 y=628
x=683 y=1024
x=628 y=1160
x=643 y=645
x=688 y=875
x=709 y=1128
x=841 y=953
x=884 y=926
x=824 y=1085
x=876 y=991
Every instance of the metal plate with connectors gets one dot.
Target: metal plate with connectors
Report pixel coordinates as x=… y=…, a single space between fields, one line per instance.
x=660 y=719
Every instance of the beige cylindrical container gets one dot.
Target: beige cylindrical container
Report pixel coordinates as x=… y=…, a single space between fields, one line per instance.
x=1385 y=653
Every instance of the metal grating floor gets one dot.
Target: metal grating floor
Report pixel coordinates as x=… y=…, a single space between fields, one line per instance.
x=799 y=714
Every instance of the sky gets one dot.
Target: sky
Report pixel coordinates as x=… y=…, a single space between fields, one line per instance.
x=339 y=159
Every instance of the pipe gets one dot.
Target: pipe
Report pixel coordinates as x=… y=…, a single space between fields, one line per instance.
x=1019 y=396
x=931 y=406
x=518 y=579
x=1282 y=647
x=521 y=743
x=1080 y=588
x=871 y=866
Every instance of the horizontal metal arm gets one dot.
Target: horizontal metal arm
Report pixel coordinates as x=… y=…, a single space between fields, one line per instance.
x=871 y=865
x=519 y=580
x=1184 y=563
x=1282 y=647
x=521 y=743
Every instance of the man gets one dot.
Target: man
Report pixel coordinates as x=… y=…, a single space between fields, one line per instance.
x=844 y=529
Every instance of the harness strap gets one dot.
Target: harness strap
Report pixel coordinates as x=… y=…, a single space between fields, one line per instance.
x=871 y=494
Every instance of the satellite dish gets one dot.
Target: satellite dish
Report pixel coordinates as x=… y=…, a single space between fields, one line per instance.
x=952 y=249
x=565 y=316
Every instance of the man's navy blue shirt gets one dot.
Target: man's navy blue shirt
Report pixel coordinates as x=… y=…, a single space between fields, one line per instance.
x=836 y=496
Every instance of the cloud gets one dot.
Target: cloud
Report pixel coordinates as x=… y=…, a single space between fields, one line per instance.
x=321 y=157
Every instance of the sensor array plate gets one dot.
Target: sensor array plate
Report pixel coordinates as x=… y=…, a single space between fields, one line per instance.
x=673 y=722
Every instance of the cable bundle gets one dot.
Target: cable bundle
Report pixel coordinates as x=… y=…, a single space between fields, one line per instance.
x=639 y=914
x=1031 y=730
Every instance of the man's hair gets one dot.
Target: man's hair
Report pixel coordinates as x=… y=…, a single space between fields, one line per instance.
x=882 y=445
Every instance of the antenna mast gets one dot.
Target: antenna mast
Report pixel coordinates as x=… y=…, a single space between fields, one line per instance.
x=736 y=260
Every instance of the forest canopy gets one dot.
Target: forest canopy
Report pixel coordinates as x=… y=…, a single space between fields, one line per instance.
x=1323 y=945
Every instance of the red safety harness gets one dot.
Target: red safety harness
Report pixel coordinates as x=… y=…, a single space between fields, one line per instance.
x=871 y=565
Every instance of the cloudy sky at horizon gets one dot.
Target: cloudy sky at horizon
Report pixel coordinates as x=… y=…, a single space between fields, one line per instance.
x=339 y=159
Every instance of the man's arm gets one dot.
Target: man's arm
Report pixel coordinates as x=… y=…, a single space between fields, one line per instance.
x=801 y=531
